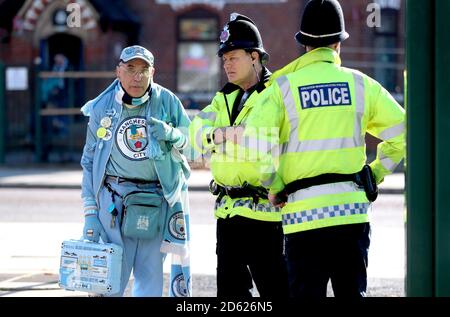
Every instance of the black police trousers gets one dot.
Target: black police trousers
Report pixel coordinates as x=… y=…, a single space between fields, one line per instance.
x=249 y=250
x=337 y=253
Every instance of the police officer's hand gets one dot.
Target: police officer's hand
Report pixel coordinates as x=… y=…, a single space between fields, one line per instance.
x=275 y=200
x=162 y=131
x=232 y=134
x=93 y=229
x=219 y=135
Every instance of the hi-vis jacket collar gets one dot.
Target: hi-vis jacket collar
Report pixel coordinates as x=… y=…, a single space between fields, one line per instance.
x=321 y=54
x=229 y=87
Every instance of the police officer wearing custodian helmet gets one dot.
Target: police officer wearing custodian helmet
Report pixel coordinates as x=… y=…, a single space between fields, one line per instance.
x=323 y=112
x=249 y=232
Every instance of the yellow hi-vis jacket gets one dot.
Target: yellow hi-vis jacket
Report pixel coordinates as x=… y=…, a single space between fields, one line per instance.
x=320 y=115
x=230 y=164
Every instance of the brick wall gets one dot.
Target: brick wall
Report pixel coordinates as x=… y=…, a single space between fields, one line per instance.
x=277 y=23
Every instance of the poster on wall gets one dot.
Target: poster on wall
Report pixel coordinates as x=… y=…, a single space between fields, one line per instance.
x=16 y=78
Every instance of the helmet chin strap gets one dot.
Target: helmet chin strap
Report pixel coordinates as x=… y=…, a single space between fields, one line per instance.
x=256 y=72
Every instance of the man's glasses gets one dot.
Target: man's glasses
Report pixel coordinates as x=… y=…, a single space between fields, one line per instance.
x=132 y=72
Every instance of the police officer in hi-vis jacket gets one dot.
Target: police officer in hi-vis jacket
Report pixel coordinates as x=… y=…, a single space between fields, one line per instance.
x=322 y=112
x=249 y=234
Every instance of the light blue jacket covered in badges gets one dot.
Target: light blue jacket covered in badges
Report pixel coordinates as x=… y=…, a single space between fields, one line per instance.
x=169 y=161
x=172 y=167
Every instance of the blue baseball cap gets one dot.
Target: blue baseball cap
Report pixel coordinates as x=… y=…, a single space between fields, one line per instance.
x=136 y=51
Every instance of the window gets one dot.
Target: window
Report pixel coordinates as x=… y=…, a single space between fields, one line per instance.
x=386 y=40
x=386 y=71
x=389 y=22
x=198 y=67
x=198 y=64
x=198 y=29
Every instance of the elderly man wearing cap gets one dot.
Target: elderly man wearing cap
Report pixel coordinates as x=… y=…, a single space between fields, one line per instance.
x=133 y=161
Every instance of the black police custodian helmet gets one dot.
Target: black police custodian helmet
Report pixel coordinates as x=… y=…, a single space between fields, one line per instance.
x=322 y=24
x=241 y=33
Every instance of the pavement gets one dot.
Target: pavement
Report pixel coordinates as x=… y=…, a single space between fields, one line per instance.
x=70 y=178
x=30 y=268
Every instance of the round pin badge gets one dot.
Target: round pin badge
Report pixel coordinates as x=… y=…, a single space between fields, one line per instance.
x=101 y=132
x=105 y=122
x=108 y=135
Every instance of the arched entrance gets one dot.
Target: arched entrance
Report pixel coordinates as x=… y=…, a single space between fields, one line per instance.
x=71 y=47
x=62 y=43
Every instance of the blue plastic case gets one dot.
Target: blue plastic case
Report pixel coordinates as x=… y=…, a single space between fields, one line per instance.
x=90 y=267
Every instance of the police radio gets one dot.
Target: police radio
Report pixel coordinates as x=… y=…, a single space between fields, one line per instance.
x=366 y=179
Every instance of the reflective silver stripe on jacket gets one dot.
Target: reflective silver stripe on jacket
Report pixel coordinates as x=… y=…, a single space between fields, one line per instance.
x=268 y=182
x=296 y=146
x=248 y=203
x=392 y=132
x=325 y=212
x=263 y=150
x=198 y=137
x=325 y=189
x=293 y=116
x=387 y=163
x=207 y=115
x=257 y=143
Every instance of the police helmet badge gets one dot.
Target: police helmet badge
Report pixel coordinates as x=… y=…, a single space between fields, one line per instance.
x=225 y=35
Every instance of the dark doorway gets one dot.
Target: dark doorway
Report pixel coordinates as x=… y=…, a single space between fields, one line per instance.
x=68 y=45
x=61 y=53
x=71 y=47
